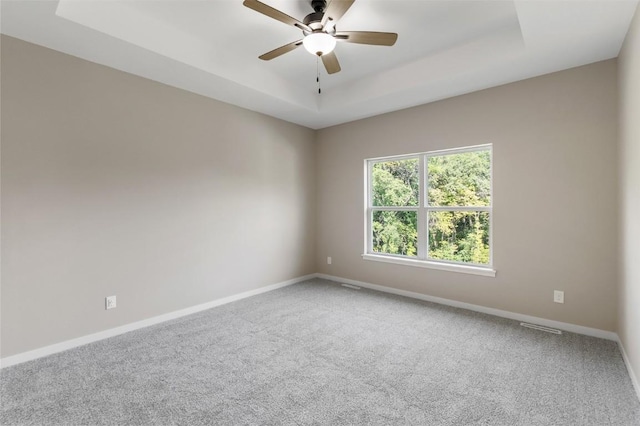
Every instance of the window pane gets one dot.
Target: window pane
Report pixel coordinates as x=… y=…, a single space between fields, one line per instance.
x=395 y=183
x=395 y=232
x=459 y=236
x=460 y=179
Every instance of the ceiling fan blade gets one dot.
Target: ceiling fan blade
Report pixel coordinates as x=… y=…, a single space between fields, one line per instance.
x=367 y=37
x=331 y=64
x=280 y=50
x=275 y=14
x=335 y=10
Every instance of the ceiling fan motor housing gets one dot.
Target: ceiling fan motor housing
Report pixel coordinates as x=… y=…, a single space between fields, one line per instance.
x=313 y=21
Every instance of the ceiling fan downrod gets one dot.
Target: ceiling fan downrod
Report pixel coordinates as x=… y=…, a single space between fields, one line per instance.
x=319 y=5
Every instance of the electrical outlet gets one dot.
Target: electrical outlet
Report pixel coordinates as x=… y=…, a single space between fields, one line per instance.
x=110 y=302
x=558 y=296
x=329 y=260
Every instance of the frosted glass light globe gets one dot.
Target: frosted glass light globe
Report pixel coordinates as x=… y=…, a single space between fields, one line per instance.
x=319 y=43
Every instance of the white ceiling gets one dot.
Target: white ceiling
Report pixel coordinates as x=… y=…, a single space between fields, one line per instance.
x=211 y=47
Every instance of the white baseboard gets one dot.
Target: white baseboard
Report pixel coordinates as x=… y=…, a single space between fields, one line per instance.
x=69 y=344
x=594 y=332
x=627 y=362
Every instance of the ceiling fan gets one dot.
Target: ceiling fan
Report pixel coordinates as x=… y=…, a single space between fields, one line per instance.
x=319 y=29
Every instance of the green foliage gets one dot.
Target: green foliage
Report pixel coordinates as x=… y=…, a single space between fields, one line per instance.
x=456 y=180
x=395 y=232
x=459 y=236
x=460 y=179
x=395 y=183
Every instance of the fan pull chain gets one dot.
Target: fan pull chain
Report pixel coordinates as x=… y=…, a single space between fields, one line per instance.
x=318 y=73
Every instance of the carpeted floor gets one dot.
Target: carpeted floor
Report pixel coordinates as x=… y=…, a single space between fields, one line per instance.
x=319 y=353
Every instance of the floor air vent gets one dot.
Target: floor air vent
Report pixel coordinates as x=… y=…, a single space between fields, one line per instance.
x=355 y=287
x=541 y=328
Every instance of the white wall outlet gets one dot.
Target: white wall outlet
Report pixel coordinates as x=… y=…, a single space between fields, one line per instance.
x=558 y=296
x=329 y=260
x=110 y=302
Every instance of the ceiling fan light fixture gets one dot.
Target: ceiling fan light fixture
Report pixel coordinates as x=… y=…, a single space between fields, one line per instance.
x=319 y=43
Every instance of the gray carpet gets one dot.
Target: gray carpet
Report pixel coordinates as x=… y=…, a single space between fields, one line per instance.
x=318 y=353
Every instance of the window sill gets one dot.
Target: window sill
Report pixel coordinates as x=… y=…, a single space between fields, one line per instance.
x=464 y=269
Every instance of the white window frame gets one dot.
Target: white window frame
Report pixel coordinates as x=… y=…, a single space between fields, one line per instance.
x=422 y=260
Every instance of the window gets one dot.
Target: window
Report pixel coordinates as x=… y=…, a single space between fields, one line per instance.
x=431 y=209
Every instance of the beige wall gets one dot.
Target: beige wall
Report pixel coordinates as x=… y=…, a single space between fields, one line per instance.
x=629 y=304
x=555 y=193
x=117 y=185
